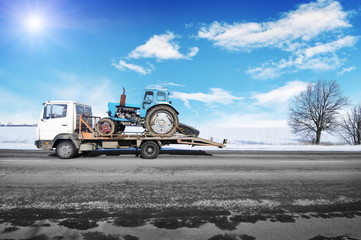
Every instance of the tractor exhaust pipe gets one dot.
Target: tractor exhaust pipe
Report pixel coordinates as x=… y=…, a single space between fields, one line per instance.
x=122 y=99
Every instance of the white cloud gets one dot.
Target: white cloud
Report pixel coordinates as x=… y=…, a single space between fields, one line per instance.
x=164 y=85
x=281 y=94
x=330 y=47
x=270 y=69
x=175 y=84
x=216 y=95
x=304 y=34
x=321 y=57
x=122 y=66
x=346 y=70
x=193 y=51
x=266 y=71
x=308 y=21
x=162 y=47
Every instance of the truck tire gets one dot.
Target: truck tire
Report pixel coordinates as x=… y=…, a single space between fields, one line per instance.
x=161 y=121
x=66 y=149
x=105 y=126
x=149 y=150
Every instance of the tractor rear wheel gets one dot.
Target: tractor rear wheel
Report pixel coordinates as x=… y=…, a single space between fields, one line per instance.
x=161 y=121
x=105 y=126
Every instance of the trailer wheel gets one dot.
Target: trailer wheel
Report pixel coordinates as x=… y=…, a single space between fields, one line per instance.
x=66 y=149
x=149 y=150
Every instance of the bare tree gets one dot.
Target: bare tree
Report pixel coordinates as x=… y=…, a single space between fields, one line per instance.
x=351 y=126
x=316 y=109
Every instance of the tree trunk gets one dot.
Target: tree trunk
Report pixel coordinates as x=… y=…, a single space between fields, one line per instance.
x=358 y=133
x=318 y=136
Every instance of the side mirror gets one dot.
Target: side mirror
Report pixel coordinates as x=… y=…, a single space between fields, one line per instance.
x=170 y=102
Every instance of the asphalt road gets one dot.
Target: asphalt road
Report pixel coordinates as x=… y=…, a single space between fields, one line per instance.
x=181 y=195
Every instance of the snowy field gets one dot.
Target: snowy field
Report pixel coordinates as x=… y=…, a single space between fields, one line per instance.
x=272 y=139
x=17 y=137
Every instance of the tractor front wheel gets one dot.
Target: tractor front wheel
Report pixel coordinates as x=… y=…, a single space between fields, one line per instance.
x=161 y=121
x=105 y=126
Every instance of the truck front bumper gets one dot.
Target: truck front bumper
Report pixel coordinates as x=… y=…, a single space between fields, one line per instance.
x=44 y=144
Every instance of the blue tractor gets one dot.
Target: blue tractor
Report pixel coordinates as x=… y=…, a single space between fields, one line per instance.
x=155 y=114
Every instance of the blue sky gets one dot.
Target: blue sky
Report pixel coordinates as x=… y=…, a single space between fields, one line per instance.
x=227 y=63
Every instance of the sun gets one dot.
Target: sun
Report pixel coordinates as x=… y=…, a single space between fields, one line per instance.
x=34 y=24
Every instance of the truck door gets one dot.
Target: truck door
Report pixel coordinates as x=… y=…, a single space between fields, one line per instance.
x=55 y=120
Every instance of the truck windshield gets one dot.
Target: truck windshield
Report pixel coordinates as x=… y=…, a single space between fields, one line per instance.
x=55 y=111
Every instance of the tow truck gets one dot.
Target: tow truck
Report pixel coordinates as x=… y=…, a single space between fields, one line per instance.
x=70 y=128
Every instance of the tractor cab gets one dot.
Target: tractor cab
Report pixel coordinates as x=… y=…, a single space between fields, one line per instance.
x=152 y=97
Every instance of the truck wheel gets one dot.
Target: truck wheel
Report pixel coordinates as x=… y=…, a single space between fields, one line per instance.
x=66 y=150
x=105 y=126
x=161 y=120
x=149 y=150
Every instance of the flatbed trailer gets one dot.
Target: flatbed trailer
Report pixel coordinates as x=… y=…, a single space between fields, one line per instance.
x=88 y=139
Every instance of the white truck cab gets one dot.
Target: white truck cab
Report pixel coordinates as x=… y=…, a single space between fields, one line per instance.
x=59 y=118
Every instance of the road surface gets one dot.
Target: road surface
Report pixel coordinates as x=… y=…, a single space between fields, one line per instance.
x=181 y=195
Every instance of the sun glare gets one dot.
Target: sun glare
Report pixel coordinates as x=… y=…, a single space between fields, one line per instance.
x=34 y=24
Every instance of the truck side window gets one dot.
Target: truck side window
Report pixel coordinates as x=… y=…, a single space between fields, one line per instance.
x=79 y=110
x=161 y=96
x=88 y=111
x=47 y=111
x=59 y=110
